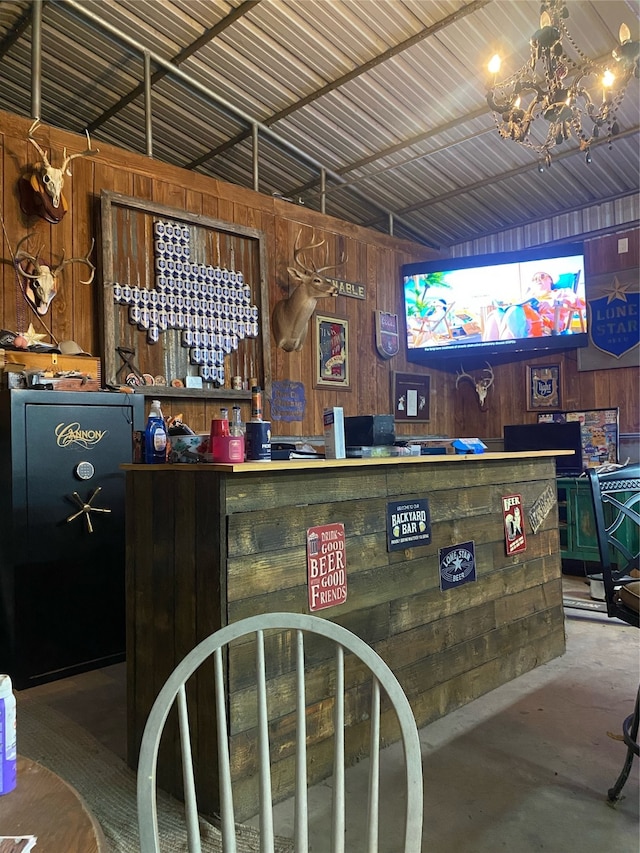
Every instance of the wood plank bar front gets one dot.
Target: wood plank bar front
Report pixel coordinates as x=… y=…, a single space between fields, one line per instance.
x=210 y=544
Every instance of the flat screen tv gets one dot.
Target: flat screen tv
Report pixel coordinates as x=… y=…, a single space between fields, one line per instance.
x=488 y=305
x=552 y=436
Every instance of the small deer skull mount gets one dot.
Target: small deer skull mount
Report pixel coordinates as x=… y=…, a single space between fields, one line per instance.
x=41 y=192
x=39 y=281
x=481 y=383
x=291 y=315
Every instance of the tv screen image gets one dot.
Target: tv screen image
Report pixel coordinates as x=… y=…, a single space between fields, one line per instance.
x=501 y=303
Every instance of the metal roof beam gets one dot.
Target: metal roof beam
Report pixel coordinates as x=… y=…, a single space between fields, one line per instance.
x=185 y=53
x=503 y=176
x=225 y=105
x=17 y=30
x=346 y=78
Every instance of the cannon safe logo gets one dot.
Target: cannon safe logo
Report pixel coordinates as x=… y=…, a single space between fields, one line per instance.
x=457 y=565
x=67 y=434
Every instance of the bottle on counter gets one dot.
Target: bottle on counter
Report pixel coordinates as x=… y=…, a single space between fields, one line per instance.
x=8 y=749
x=155 y=436
x=236 y=427
x=256 y=403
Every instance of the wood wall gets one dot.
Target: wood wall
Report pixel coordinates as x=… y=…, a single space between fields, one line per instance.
x=373 y=259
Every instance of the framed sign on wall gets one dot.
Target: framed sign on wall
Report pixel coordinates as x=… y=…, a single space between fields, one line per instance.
x=331 y=344
x=543 y=387
x=410 y=397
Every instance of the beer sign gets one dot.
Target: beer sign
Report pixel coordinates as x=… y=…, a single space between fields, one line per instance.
x=326 y=566
x=514 y=535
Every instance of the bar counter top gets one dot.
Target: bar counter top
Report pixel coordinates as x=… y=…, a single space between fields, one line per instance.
x=290 y=464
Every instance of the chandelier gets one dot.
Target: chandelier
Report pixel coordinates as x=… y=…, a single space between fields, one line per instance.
x=547 y=101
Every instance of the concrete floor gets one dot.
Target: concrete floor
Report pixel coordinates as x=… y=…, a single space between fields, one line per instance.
x=524 y=768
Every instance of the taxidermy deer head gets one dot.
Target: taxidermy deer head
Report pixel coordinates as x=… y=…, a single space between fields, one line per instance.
x=291 y=315
x=41 y=193
x=481 y=383
x=38 y=281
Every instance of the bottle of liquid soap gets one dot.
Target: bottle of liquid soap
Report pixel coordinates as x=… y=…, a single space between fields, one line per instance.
x=155 y=436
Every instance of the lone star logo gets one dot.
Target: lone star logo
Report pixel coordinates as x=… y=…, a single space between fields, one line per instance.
x=617 y=291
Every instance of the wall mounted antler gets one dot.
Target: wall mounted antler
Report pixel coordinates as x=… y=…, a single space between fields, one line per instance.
x=41 y=192
x=291 y=315
x=39 y=281
x=481 y=383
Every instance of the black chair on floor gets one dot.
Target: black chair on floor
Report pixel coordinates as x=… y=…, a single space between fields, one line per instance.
x=616 y=505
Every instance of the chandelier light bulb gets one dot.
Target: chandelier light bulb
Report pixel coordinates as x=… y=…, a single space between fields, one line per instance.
x=494 y=64
x=608 y=79
x=624 y=34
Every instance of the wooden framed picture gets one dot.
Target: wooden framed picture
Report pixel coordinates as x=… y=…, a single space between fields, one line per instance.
x=331 y=343
x=543 y=387
x=410 y=397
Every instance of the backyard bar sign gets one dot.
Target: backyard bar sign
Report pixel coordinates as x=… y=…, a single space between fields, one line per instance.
x=408 y=524
x=457 y=565
x=326 y=566
x=514 y=537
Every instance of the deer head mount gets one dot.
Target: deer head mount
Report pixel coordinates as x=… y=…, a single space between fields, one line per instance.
x=291 y=315
x=41 y=192
x=480 y=383
x=39 y=281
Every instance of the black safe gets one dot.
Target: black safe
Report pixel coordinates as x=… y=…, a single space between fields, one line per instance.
x=62 y=540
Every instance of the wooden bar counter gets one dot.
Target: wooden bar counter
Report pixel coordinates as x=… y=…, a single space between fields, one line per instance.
x=210 y=544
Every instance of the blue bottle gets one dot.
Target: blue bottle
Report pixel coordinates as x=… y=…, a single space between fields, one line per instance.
x=7 y=736
x=155 y=436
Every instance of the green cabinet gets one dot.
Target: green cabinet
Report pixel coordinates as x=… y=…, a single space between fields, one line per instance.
x=576 y=521
x=577 y=526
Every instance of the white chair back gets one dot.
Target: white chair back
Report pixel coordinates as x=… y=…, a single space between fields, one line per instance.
x=174 y=691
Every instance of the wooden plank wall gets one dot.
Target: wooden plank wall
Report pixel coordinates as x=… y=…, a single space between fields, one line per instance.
x=445 y=647
x=372 y=259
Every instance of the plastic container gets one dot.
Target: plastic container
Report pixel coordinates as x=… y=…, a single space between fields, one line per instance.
x=155 y=436
x=7 y=735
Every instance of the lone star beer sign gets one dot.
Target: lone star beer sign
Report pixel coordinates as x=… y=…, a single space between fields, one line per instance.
x=614 y=318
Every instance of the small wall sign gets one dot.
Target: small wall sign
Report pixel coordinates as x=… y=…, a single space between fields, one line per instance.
x=514 y=536
x=387 y=334
x=457 y=565
x=408 y=524
x=326 y=566
x=543 y=384
x=287 y=400
x=410 y=397
x=541 y=508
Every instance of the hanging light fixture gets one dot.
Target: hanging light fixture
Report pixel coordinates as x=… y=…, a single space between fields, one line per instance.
x=560 y=92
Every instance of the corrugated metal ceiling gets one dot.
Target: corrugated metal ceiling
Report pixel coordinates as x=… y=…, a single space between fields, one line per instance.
x=387 y=95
